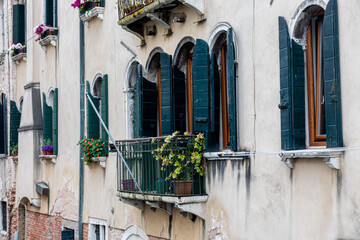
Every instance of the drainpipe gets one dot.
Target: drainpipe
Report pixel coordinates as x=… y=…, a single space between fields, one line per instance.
x=82 y=130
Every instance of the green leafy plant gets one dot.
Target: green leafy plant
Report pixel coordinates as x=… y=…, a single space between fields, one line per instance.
x=183 y=155
x=14 y=150
x=92 y=148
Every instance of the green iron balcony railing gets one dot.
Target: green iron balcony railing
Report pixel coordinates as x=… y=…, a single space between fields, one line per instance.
x=128 y=7
x=152 y=177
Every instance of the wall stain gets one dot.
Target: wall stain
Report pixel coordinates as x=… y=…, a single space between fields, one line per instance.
x=248 y=177
x=220 y=169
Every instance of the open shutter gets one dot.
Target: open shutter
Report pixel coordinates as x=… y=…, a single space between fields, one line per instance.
x=201 y=88
x=149 y=108
x=105 y=110
x=91 y=117
x=231 y=90
x=179 y=100
x=19 y=23
x=4 y=111
x=332 y=76
x=47 y=120
x=15 y=116
x=55 y=122
x=138 y=104
x=167 y=114
x=285 y=86
x=215 y=105
x=49 y=12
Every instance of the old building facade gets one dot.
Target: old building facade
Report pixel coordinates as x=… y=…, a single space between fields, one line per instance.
x=271 y=85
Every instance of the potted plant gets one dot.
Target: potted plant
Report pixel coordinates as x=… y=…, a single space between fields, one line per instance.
x=182 y=158
x=92 y=148
x=14 y=150
x=85 y=5
x=43 y=31
x=17 y=48
x=47 y=147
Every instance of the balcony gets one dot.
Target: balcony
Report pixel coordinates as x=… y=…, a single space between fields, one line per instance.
x=134 y=14
x=158 y=190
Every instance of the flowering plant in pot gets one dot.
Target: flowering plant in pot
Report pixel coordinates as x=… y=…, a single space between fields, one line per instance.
x=17 y=48
x=92 y=148
x=43 y=31
x=47 y=147
x=14 y=150
x=183 y=158
x=85 y=5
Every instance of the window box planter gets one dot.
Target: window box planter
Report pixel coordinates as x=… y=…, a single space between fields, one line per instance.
x=95 y=12
x=48 y=158
x=49 y=39
x=46 y=35
x=18 y=57
x=99 y=160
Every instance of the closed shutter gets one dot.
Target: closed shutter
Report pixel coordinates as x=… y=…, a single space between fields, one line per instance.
x=179 y=100
x=105 y=110
x=47 y=120
x=231 y=90
x=332 y=76
x=92 y=119
x=15 y=117
x=137 y=120
x=49 y=14
x=55 y=122
x=4 y=125
x=102 y=3
x=67 y=235
x=19 y=23
x=285 y=86
x=215 y=105
x=149 y=108
x=201 y=88
x=55 y=20
x=167 y=117
x=2 y=133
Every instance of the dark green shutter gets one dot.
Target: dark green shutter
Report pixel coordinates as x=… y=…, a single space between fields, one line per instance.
x=332 y=76
x=201 y=88
x=92 y=118
x=215 y=105
x=15 y=117
x=19 y=23
x=55 y=122
x=167 y=117
x=298 y=93
x=2 y=133
x=4 y=110
x=49 y=12
x=67 y=235
x=137 y=120
x=149 y=108
x=231 y=90
x=285 y=86
x=47 y=120
x=179 y=100
x=102 y=3
x=55 y=9
x=105 y=110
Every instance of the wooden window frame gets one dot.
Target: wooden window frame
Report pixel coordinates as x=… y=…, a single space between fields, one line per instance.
x=315 y=139
x=224 y=102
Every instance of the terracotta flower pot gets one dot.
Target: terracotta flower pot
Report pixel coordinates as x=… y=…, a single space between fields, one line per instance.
x=183 y=187
x=49 y=152
x=14 y=154
x=44 y=152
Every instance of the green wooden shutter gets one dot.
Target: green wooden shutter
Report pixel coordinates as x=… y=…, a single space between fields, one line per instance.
x=137 y=118
x=231 y=90
x=102 y=3
x=167 y=117
x=15 y=117
x=47 y=120
x=201 y=88
x=332 y=76
x=285 y=86
x=298 y=93
x=19 y=23
x=105 y=110
x=92 y=119
x=55 y=122
x=4 y=110
x=2 y=133
x=49 y=12
x=55 y=15
x=149 y=108
x=215 y=105
x=179 y=100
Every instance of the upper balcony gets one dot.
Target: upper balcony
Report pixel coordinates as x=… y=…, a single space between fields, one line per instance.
x=134 y=14
x=186 y=191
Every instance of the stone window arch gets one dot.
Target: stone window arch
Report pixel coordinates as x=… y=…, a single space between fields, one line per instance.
x=134 y=233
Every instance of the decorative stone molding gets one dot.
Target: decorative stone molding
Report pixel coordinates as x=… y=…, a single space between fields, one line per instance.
x=14 y=158
x=214 y=156
x=91 y=14
x=17 y=58
x=330 y=156
x=50 y=39
x=48 y=158
x=100 y=160
x=36 y=202
x=134 y=232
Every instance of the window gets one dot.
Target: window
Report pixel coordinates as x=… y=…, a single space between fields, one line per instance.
x=50 y=118
x=19 y=22
x=67 y=234
x=313 y=74
x=97 y=229
x=3 y=124
x=51 y=12
x=3 y=216
x=15 y=117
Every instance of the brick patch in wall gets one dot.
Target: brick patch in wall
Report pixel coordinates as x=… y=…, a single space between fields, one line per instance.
x=42 y=226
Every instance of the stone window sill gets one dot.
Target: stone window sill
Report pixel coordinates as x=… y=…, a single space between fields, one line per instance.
x=18 y=57
x=50 y=39
x=47 y=158
x=331 y=156
x=91 y=14
x=100 y=160
x=226 y=155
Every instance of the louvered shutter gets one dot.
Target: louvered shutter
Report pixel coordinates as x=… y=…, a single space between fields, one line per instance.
x=2 y=133
x=149 y=108
x=201 y=88
x=55 y=19
x=4 y=116
x=15 y=117
x=179 y=100
x=47 y=120
x=215 y=105
x=55 y=122
x=19 y=23
x=167 y=117
x=49 y=12
x=105 y=110
x=137 y=118
x=332 y=76
x=285 y=86
x=91 y=117
x=231 y=90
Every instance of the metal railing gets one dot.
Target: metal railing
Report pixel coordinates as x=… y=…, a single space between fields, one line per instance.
x=128 y=7
x=149 y=173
